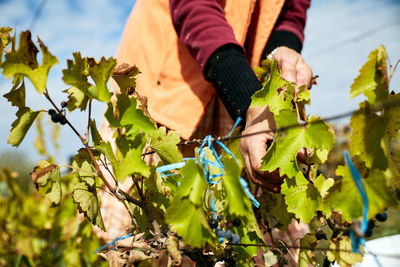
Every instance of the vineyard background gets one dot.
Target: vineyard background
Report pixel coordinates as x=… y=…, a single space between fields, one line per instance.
x=332 y=89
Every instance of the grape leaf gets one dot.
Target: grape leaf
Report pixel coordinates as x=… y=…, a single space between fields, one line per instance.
x=125 y=76
x=237 y=202
x=344 y=197
x=23 y=61
x=301 y=197
x=393 y=173
x=88 y=204
x=392 y=116
x=25 y=118
x=109 y=115
x=366 y=137
x=306 y=257
x=283 y=151
x=84 y=168
x=193 y=184
x=78 y=71
x=238 y=205
x=337 y=252
x=17 y=94
x=5 y=39
x=323 y=185
x=136 y=118
x=96 y=137
x=373 y=78
x=165 y=145
x=128 y=159
x=47 y=179
x=189 y=222
x=276 y=92
x=76 y=99
x=101 y=72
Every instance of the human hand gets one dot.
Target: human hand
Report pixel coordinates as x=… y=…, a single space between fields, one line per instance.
x=253 y=148
x=293 y=67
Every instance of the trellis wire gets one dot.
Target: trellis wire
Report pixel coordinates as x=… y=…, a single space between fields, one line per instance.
x=375 y=108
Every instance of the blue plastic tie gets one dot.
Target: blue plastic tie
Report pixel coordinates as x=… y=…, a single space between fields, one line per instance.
x=112 y=243
x=356 y=241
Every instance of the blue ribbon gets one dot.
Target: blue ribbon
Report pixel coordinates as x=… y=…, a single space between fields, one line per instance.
x=112 y=243
x=356 y=241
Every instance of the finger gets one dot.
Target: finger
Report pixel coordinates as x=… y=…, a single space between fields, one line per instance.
x=288 y=69
x=258 y=179
x=303 y=74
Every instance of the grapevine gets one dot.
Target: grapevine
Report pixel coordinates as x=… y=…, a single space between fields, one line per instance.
x=200 y=211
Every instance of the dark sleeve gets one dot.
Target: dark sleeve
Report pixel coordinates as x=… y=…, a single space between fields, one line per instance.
x=289 y=28
x=234 y=80
x=201 y=25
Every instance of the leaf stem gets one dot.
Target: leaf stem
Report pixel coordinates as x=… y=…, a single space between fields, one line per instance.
x=88 y=125
x=140 y=190
x=393 y=71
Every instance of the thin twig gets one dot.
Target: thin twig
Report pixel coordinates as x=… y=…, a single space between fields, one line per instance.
x=118 y=193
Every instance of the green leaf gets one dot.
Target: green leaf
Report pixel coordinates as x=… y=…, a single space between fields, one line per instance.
x=25 y=118
x=237 y=202
x=136 y=118
x=128 y=159
x=392 y=116
x=109 y=115
x=238 y=205
x=344 y=197
x=88 y=204
x=76 y=99
x=392 y=174
x=283 y=151
x=78 y=71
x=84 y=167
x=101 y=72
x=17 y=94
x=23 y=61
x=366 y=138
x=301 y=197
x=96 y=137
x=306 y=257
x=5 y=39
x=47 y=179
x=189 y=222
x=373 y=78
x=125 y=76
x=323 y=185
x=165 y=145
x=193 y=184
x=276 y=92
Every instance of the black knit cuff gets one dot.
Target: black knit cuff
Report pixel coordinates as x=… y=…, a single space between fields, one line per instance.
x=282 y=38
x=233 y=79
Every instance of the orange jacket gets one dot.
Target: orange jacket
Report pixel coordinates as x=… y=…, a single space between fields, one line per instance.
x=171 y=79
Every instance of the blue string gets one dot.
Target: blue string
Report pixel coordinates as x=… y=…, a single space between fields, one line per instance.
x=205 y=147
x=112 y=243
x=356 y=241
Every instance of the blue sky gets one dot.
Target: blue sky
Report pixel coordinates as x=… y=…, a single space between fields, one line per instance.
x=339 y=36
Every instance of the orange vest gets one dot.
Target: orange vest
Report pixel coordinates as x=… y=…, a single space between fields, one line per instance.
x=171 y=79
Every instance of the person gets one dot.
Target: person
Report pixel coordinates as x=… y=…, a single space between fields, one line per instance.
x=190 y=51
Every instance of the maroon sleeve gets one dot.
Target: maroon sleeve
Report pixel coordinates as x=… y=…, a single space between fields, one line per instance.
x=201 y=25
x=293 y=17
